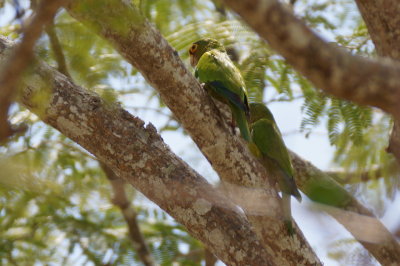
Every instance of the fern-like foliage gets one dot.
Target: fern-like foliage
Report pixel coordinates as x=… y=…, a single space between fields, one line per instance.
x=253 y=69
x=343 y=117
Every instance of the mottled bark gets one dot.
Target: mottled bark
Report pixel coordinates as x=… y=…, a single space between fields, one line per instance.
x=382 y=18
x=362 y=80
x=194 y=111
x=342 y=206
x=138 y=154
x=383 y=22
x=144 y=47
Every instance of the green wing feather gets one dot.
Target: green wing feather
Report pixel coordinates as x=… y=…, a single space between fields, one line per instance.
x=219 y=88
x=268 y=139
x=217 y=71
x=217 y=66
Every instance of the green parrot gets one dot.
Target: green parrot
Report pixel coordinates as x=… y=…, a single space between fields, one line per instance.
x=222 y=79
x=274 y=156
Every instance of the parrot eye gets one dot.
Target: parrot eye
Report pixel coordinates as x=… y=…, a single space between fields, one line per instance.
x=193 y=49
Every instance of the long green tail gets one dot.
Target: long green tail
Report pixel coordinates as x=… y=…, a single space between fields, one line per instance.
x=288 y=185
x=241 y=121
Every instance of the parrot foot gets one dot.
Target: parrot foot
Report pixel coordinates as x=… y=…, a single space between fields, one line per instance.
x=289 y=227
x=254 y=150
x=233 y=126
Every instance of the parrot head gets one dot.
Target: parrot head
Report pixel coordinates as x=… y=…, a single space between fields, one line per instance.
x=260 y=111
x=197 y=49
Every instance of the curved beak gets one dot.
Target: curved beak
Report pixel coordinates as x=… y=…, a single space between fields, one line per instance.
x=193 y=61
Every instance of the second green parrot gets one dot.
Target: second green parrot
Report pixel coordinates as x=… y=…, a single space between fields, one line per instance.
x=274 y=155
x=223 y=80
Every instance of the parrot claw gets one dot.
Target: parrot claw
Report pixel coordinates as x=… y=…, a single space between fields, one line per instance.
x=289 y=227
x=233 y=127
x=254 y=149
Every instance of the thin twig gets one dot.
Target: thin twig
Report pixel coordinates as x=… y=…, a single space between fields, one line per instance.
x=120 y=199
x=57 y=49
x=365 y=176
x=19 y=60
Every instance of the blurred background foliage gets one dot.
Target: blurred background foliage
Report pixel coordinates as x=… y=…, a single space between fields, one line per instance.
x=56 y=202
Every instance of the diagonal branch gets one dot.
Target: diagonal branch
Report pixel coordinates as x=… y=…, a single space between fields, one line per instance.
x=57 y=49
x=342 y=206
x=359 y=79
x=382 y=20
x=120 y=199
x=138 y=155
x=145 y=48
x=19 y=59
x=365 y=176
x=76 y=130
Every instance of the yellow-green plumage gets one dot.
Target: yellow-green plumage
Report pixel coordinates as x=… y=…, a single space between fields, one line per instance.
x=274 y=155
x=222 y=78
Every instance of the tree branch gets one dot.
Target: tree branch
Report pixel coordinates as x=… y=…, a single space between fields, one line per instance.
x=209 y=258
x=372 y=174
x=19 y=59
x=57 y=49
x=382 y=20
x=120 y=199
x=321 y=188
x=74 y=128
x=339 y=73
x=138 y=155
x=347 y=76
x=145 y=48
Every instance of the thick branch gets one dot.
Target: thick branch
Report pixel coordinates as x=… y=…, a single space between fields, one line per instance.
x=382 y=19
x=138 y=155
x=351 y=77
x=357 y=219
x=145 y=48
x=19 y=59
x=161 y=74
x=355 y=78
x=120 y=199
